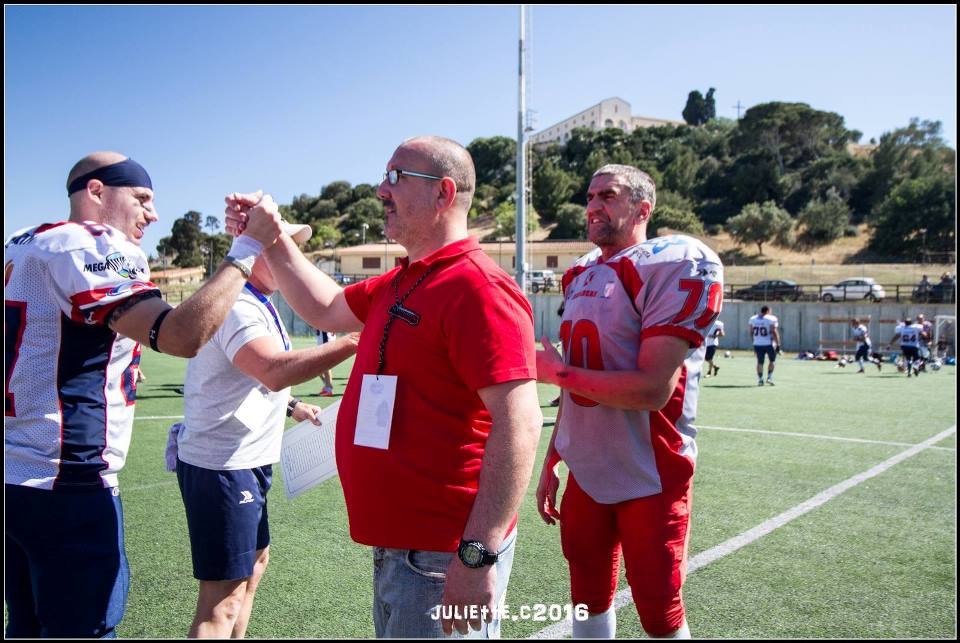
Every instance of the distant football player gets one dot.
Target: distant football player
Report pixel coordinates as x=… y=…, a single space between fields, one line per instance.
x=908 y=333
x=78 y=304
x=861 y=334
x=636 y=313
x=713 y=341
x=765 y=330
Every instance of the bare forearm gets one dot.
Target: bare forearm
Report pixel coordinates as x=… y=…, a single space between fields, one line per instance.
x=308 y=290
x=631 y=390
x=190 y=325
x=507 y=465
x=296 y=367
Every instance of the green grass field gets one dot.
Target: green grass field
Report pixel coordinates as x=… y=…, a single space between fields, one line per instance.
x=876 y=561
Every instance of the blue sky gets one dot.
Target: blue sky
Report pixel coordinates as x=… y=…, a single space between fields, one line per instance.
x=216 y=99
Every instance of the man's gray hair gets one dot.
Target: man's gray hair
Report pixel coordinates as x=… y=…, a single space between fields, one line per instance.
x=641 y=185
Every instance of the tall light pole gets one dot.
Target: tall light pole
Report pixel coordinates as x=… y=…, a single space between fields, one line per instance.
x=521 y=164
x=499 y=246
x=363 y=238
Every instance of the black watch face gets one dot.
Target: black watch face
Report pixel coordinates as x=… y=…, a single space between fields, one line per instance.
x=472 y=556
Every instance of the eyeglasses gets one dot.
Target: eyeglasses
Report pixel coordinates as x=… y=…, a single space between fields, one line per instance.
x=393 y=176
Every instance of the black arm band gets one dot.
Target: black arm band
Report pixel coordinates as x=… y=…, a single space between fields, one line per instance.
x=155 y=331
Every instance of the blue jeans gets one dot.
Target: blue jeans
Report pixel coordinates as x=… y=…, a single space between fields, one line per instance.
x=408 y=587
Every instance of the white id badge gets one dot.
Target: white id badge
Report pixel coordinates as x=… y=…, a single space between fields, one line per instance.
x=254 y=410
x=375 y=411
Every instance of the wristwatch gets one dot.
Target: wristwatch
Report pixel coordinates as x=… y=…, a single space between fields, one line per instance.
x=244 y=266
x=473 y=554
x=291 y=405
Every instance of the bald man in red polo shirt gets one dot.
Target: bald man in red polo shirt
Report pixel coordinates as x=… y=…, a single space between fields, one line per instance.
x=440 y=421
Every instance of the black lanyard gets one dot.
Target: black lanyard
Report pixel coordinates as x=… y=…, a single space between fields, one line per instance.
x=396 y=311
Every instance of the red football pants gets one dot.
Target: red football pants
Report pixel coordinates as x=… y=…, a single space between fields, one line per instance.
x=653 y=535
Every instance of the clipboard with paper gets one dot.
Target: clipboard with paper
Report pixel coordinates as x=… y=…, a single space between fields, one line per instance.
x=308 y=454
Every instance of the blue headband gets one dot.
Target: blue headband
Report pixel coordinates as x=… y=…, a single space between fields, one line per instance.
x=126 y=173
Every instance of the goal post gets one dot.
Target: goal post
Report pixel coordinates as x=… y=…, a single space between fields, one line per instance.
x=944 y=336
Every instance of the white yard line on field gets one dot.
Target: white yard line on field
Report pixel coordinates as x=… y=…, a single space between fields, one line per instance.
x=804 y=435
x=624 y=598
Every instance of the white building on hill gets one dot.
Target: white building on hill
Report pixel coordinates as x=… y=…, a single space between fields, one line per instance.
x=612 y=112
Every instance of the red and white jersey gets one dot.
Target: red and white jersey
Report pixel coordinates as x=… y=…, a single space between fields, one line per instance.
x=69 y=380
x=761 y=329
x=665 y=286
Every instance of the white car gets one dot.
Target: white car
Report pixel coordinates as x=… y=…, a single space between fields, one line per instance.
x=854 y=289
x=541 y=280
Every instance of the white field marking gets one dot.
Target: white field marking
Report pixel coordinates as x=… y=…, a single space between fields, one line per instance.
x=624 y=598
x=804 y=435
x=819 y=437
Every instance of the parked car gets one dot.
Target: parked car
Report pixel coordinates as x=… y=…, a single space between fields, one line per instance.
x=854 y=289
x=941 y=293
x=541 y=280
x=342 y=279
x=771 y=289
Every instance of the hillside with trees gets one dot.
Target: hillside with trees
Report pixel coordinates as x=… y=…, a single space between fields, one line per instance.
x=784 y=174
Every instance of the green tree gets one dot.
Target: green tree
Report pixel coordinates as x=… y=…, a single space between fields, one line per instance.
x=759 y=224
x=369 y=211
x=695 y=109
x=552 y=187
x=709 y=106
x=920 y=214
x=216 y=247
x=340 y=192
x=571 y=222
x=325 y=234
x=676 y=219
x=905 y=153
x=363 y=191
x=824 y=220
x=506 y=216
x=322 y=209
x=186 y=238
x=495 y=160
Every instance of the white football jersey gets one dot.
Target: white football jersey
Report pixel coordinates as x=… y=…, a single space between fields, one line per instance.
x=665 y=286
x=910 y=335
x=862 y=336
x=713 y=339
x=761 y=329
x=70 y=380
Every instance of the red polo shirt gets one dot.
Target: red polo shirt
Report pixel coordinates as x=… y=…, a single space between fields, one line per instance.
x=475 y=330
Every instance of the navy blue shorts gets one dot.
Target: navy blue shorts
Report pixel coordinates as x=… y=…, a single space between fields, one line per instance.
x=711 y=351
x=863 y=352
x=227 y=518
x=66 y=572
x=765 y=351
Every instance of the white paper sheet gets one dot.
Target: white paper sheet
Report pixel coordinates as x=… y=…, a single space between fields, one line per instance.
x=307 y=454
x=375 y=411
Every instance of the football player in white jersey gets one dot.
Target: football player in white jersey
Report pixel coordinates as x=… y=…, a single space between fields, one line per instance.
x=861 y=334
x=909 y=335
x=765 y=330
x=713 y=341
x=636 y=313
x=78 y=302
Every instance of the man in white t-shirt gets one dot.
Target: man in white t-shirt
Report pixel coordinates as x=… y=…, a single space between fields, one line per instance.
x=237 y=396
x=765 y=330
x=713 y=341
